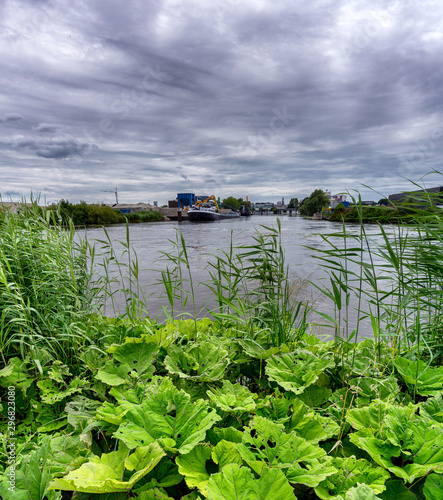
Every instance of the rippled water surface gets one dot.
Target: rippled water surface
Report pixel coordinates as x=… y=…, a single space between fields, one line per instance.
x=203 y=239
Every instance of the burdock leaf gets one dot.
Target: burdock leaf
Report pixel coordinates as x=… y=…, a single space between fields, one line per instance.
x=113 y=374
x=350 y=472
x=16 y=374
x=310 y=425
x=269 y=443
x=139 y=357
x=416 y=441
x=193 y=467
x=433 y=408
x=429 y=381
x=433 y=487
x=233 y=398
x=297 y=370
x=202 y=362
x=105 y=474
x=167 y=414
x=310 y=475
x=361 y=492
x=234 y=483
x=226 y=453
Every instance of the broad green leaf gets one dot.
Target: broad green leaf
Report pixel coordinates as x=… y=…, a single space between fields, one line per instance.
x=32 y=478
x=381 y=451
x=310 y=475
x=267 y=443
x=192 y=496
x=314 y=396
x=429 y=380
x=234 y=483
x=217 y=434
x=202 y=362
x=233 y=398
x=226 y=452
x=16 y=374
x=350 y=472
x=297 y=370
x=105 y=474
x=110 y=413
x=81 y=412
x=167 y=414
x=406 y=444
x=363 y=391
x=279 y=408
x=396 y=490
x=139 y=358
x=68 y=452
x=193 y=467
x=433 y=408
x=310 y=425
x=48 y=416
x=255 y=350
x=113 y=374
x=58 y=372
x=361 y=492
x=369 y=417
x=165 y=474
x=154 y=494
x=433 y=487
x=143 y=460
x=51 y=393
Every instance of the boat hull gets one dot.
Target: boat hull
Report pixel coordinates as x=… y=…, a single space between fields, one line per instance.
x=204 y=216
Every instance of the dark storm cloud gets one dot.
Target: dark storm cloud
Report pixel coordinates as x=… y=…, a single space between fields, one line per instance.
x=11 y=117
x=235 y=97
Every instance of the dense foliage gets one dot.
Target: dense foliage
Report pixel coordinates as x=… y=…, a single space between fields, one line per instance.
x=197 y=410
x=84 y=214
x=293 y=203
x=249 y=405
x=235 y=203
x=313 y=203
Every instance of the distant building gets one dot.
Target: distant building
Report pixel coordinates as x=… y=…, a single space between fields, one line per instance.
x=265 y=205
x=129 y=208
x=336 y=199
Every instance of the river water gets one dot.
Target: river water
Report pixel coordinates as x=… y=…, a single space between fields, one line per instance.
x=148 y=240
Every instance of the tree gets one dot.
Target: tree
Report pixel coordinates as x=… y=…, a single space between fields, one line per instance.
x=383 y=201
x=314 y=203
x=293 y=203
x=231 y=202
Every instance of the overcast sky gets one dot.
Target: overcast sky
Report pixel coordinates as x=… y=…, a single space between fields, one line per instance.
x=262 y=98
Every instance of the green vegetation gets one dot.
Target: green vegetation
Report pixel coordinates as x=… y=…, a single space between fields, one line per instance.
x=416 y=206
x=235 y=203
x=293 y=203
x=249 y=404
x=313 y=203
x=84 y=214
x=144 y=216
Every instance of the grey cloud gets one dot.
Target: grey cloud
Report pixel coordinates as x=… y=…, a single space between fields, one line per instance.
x=12 y=117
x=192 y=88
x=46 y=128
x=56 y=148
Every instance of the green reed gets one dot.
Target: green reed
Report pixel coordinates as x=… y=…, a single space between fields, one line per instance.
x=400 y=280
x=46 y=285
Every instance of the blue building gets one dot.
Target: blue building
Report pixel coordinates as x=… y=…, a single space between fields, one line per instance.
x=186 y=199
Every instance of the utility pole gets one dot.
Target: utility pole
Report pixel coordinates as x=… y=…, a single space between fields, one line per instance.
x=112 y=191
